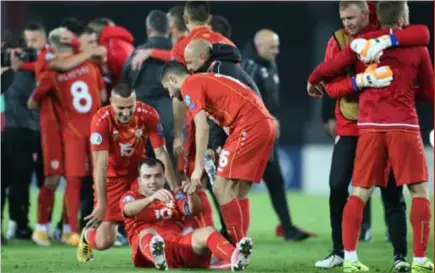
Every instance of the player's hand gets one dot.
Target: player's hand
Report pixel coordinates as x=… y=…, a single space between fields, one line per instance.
x=315 y=91
x=15 y=61
x=374 y=76
x=99 y=52
x=195 y=178
x=96 y=217
x=372 y=50
x=277 y=128
x=162 y=195
x=141 y=56
x=330 y=128
x=188 y=187
x=32 y=104
x=179 y=146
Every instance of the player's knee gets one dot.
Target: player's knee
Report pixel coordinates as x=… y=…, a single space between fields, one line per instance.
x=362 y=193
x=419 y=189
x=105 y=242
x=51 y=182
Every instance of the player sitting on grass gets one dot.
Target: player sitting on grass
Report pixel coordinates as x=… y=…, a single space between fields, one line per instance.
x=153 y=220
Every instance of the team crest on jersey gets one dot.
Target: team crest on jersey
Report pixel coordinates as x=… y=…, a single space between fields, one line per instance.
x=49 y=56
x=128 y=199
x=138 y=132
x=188 y=100
x=160 y=130
x=206 y=35
x=96 y=139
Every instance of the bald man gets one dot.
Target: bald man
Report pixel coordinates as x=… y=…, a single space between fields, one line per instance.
x=259 y=63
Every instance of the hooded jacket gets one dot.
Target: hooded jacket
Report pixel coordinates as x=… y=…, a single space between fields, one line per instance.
x=119 y=44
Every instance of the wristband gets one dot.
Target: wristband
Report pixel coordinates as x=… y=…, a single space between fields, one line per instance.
x=354 y=84
x=393 y=39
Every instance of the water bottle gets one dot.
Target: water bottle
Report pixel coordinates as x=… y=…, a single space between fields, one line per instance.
x=210 y=168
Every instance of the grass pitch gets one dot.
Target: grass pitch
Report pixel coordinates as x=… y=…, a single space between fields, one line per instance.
x=270 y=254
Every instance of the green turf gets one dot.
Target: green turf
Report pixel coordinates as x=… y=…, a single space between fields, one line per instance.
x=271 y=254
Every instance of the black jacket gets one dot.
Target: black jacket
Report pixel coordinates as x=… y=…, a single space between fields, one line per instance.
x=146 y=81
x=265 y=75
x=225 y=59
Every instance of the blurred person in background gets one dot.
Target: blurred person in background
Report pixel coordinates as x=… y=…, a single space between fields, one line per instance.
x=260 y=63
x=21 y=135
x=146 y=82
x=118 y=43
x=358 y=17
x=221 y=25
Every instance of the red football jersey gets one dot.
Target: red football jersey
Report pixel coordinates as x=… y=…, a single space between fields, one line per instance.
x=165 y=218
x=203 y=32
x=227 y=101
x=78 y=93
x=44 y=58
x=391 y=107
x=126 y=142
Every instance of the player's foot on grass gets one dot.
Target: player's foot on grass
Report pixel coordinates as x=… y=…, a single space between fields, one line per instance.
x=350 y=267
x=24 y=233
x=120 y=239
x=220 y=265
x=41 y=238
x=297 y=234
x=240 y=256
x=84 y=251
x=157 y=249
x=70 y=238
x=425 y=267
x=331 y=261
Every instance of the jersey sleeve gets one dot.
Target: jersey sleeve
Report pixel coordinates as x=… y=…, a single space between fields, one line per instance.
x=43 y=87
x=161 y=54
x=193 y=95
x=425 y=77
x=177 y=53
x=100 y=132
x=156 y=135
x=125 y=199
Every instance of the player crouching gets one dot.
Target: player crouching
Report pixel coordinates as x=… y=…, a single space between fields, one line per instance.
x=153 y=220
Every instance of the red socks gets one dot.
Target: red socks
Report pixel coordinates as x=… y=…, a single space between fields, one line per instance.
x=232 y=215
x=351 y=223
x=72 y=196
x=145 y=247
x=420 y=220
x=45 y=205
x=220 y=247
x=90 y=238
x=244 y=206
x=205 y=218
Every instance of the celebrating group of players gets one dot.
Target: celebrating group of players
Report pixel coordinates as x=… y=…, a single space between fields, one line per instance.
x=385 y=63
x=168 y=218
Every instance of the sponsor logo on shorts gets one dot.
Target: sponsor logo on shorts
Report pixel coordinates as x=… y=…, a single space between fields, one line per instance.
x=96 y=139
x=55 y=164
x=128 y=199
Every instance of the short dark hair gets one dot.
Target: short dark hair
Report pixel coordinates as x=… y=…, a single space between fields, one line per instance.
x=98 y=24
x=122 y=89
x=197 y=11
x=157 y=21
x=176 y=14
x=173 y=67
x=221 y=24
x=389 y=12
x=73 y=25
x=35 y=26
x=150 y=162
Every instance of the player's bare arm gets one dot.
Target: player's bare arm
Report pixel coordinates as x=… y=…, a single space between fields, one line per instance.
x=163 y=155
x=100 y=159
x=179 y=109
x=193 y=200
x=64 y=65
x=201 y=138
